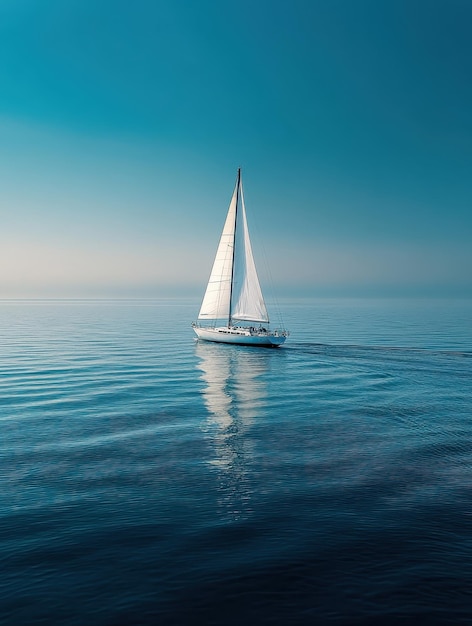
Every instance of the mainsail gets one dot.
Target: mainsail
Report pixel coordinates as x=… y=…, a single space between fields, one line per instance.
x=233 y=290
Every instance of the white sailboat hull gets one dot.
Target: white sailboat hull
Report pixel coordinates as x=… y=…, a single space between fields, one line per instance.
x=241 y=336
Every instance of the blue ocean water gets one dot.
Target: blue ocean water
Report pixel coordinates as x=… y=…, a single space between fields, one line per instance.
x=147 y=478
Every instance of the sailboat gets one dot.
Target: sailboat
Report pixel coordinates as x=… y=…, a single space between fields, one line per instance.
x=233 y=305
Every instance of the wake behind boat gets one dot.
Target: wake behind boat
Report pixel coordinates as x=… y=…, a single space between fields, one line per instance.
x=233 y=294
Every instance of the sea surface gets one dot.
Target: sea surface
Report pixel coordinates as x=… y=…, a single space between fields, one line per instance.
x=147 y=478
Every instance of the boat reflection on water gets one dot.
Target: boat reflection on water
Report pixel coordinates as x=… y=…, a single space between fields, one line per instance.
x=234 y=393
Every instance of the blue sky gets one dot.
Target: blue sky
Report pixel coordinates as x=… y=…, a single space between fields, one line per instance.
x=122 y=126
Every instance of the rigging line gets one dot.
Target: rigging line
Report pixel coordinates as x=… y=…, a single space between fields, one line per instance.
x=238 y=183
x=274 y=302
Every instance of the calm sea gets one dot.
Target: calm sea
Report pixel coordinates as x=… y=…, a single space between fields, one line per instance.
x=150 y=479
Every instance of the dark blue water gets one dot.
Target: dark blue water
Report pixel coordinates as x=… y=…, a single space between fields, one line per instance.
x=150 y=479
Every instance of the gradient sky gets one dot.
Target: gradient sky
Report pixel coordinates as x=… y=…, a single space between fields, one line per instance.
x=122 y=125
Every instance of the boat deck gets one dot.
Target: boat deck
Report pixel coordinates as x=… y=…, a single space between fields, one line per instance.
x=243 y=335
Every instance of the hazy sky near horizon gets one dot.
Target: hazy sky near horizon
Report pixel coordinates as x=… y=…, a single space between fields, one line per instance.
x=122 y=126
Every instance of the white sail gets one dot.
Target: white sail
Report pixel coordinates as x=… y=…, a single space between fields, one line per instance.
x=216 y=301
x=233 y=290
x=247 y=302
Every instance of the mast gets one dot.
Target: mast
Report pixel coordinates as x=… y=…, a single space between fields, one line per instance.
x=238 y=183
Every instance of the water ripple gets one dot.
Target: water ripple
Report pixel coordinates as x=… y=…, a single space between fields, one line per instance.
x=148 y=478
